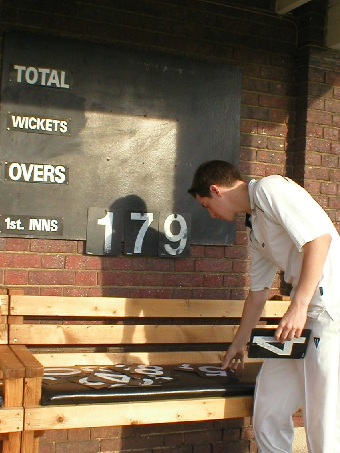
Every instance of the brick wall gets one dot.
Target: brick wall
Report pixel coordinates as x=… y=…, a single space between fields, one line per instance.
x=289 y=125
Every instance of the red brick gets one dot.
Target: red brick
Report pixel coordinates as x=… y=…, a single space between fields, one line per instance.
x=313 y=159
x=17 y=244
x=329 y=161
x=26 y=260
x=119 y=279
x=330 y=133
x=240 y=267
x=231 y=447
x=314 y=130
x=160 y=265
x=332 y=106
x=333 y=78
x=335 y=148
x=133 y=443
x=88 y=446
x=86 y=278
x=213 y=281
x=78 y=434
x=250 y=98
x=248 y=433
x=233 y=281
x=254 y=140
x=197 y=251
x=186 y=280
x=273 y=170
x=202 y=448
x=14 y=277
x=139 y=263
x=184 y=265
x=205 y=293
x=162 y=293
x=214 y=252
x=53 y=261
x=51 y=291
x=334 y=203
x=213 y=265
x=271 y=156
x=111 y=444
x=275 y=102
x=107 y=431
x=173 y=439
x=183 y=449
x=318 y=75
x=313 y=187
x=238 y=294
x=152 y=279
x=51 y=277
x=319 y=117
x=334 y=175
x=52 y=245
x=203 y=437
x=328 y=188
x=237 y=252
x=317 y=173
x=118 y=263
x=249 y=127
x=316 y=145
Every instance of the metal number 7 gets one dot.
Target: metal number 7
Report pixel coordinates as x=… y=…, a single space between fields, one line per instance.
x=148 y=219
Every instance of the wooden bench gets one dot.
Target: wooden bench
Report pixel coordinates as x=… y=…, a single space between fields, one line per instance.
x=52 y=331
x=12 y=374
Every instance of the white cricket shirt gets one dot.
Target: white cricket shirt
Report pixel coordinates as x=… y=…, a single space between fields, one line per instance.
x=284 y=217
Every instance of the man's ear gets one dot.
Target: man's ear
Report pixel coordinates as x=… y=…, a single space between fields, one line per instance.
x=215 y=189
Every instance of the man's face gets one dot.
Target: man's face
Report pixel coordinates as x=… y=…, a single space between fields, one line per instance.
x=218 y=204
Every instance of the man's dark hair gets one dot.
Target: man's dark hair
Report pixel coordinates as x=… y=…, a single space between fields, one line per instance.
x=213 y=172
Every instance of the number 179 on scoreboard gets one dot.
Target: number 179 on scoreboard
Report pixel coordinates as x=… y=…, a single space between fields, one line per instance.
x=143 y=233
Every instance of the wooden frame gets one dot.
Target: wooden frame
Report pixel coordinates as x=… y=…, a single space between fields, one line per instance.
x=60 y=322
x=13 y=372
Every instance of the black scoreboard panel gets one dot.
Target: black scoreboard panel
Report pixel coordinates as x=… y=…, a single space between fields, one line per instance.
x=86 y=125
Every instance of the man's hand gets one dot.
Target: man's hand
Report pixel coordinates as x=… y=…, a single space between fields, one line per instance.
x=292 y=323
x=233 y=358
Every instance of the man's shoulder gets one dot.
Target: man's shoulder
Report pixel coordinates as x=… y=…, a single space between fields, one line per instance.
x=272 y=183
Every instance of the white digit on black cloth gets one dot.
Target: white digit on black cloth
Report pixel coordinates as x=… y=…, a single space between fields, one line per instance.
x=212 y=370
x=61 y=371
x=149 y=370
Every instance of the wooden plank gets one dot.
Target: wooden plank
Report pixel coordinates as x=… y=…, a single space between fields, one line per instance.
x=123 y=414
x=58 y=306
x=10 y=366
x=32 y=366
x=12 y=443
x=285 y=6
x=45 y=334
x=39 y=334
x=105 y=358
x=333 y=29
x=3 y=333
x=13 y=390
x=11 y=419
x=4 y=305
x=275 y=308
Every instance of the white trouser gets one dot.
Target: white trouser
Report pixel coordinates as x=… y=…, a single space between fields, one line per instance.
x=313 y=382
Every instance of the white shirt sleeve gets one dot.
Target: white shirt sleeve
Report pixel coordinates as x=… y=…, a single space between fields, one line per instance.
x=294 y=208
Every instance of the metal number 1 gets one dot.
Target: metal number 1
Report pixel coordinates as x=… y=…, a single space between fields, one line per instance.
x=107 y=221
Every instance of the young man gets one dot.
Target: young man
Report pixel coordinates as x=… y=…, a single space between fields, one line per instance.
x=287 y=230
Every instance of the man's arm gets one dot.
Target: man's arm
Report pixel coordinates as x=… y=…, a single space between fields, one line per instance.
x=314 y=257
x=252 y=310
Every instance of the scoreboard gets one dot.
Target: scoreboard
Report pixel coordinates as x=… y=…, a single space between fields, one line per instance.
x=97 y=139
